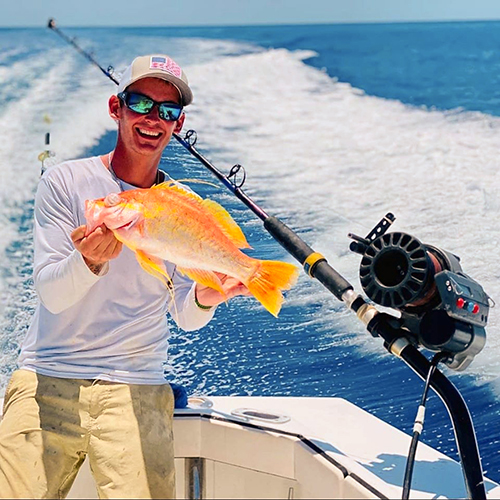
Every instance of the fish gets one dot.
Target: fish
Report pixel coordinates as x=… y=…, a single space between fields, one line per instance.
x=168 y=222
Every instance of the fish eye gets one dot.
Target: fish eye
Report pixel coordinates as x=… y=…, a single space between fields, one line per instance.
x=112 y=199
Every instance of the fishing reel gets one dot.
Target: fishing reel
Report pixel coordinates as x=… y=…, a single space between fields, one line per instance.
x=442 y=309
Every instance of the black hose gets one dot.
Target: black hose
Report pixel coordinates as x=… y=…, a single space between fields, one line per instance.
x=463 y=427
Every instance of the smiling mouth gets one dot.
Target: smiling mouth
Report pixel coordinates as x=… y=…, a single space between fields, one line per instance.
x=149 y=134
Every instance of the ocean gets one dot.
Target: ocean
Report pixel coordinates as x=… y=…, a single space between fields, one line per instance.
x=336 y=125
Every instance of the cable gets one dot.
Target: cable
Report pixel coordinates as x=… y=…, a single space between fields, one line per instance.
x=418 y=427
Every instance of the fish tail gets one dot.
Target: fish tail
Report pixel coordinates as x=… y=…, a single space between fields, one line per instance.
x=268 y=281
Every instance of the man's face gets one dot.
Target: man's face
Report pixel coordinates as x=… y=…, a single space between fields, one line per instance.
x=147 y=134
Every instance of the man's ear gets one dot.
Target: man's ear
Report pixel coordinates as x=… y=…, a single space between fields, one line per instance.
x=114 y=106
x=179 y=123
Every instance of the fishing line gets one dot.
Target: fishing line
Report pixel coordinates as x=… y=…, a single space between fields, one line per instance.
x=196 y=181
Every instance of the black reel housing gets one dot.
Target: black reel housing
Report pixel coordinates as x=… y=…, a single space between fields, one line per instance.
x=396 y=270
x=442 y=308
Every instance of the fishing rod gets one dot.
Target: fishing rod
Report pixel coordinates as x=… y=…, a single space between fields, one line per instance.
x=109 y=72
x=442 y=309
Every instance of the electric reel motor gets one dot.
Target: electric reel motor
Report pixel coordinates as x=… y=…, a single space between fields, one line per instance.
x=442 y=309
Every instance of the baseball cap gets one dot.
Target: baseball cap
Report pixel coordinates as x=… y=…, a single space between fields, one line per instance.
x=157 y=66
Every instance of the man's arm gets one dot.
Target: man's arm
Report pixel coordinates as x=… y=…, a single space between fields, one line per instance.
x=194 y=304
x=62 y=274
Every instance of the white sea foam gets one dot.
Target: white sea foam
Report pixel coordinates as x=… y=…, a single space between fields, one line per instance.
x=9 y=52
x=79 y=117
x=326 y=156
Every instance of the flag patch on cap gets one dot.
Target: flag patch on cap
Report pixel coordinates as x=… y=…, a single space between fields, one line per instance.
x=165 y=64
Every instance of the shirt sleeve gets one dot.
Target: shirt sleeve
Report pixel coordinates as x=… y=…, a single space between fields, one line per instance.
x=60 y=274
x=182 y=305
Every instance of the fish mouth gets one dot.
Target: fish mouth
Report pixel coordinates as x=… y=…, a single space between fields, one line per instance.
x=125 y=226
x=91 y=216
x=129 y=224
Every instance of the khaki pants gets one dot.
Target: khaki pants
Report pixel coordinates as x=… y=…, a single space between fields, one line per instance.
x=51 y=424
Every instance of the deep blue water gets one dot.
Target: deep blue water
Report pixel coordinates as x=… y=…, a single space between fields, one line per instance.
x=442 y=65
x=314 y=348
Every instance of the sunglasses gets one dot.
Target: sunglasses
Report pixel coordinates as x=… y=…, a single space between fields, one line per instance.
x=169 y=111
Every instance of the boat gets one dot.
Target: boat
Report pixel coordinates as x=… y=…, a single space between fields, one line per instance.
x=293 y=448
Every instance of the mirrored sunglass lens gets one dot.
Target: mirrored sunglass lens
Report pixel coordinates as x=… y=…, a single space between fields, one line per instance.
x=139 y=103
x=169 y=112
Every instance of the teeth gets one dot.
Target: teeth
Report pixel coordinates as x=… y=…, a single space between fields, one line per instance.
x=148 y=132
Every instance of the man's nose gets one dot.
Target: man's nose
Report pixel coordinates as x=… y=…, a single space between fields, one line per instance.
x=154 y=113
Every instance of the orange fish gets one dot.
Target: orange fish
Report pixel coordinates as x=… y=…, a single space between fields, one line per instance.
x=167 y=222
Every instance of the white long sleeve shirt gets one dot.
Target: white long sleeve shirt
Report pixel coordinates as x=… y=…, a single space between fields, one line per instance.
x=112 y=326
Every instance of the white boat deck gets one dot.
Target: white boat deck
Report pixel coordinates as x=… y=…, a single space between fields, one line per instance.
x=329 y=448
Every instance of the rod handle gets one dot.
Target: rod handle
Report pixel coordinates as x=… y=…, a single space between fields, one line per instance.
x=314 y=263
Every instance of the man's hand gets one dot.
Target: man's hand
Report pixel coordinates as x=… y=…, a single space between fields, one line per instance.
x=232 y=287
x=98 y=247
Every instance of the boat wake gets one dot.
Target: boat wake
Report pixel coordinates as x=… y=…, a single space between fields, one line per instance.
x=320 y=154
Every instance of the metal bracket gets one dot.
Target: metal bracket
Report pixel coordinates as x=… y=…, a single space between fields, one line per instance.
x=360 y=245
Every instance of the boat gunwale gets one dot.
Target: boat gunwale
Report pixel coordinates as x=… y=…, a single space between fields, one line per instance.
x=303 y=439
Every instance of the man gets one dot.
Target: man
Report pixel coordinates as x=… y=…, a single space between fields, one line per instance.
x=91 y=367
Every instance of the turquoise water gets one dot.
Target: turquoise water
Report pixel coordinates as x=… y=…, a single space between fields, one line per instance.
x=336 y=125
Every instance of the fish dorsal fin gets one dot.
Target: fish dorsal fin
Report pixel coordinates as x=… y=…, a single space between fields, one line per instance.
x=167 y=185
x=174 y=186
x=226 y=223
x=179 y=188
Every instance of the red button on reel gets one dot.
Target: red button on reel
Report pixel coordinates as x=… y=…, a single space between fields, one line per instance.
x=468 y=306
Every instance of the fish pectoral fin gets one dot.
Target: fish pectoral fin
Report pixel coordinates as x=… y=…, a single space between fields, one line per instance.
x=203 y=277
x=154 y=266
x=226 y=223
